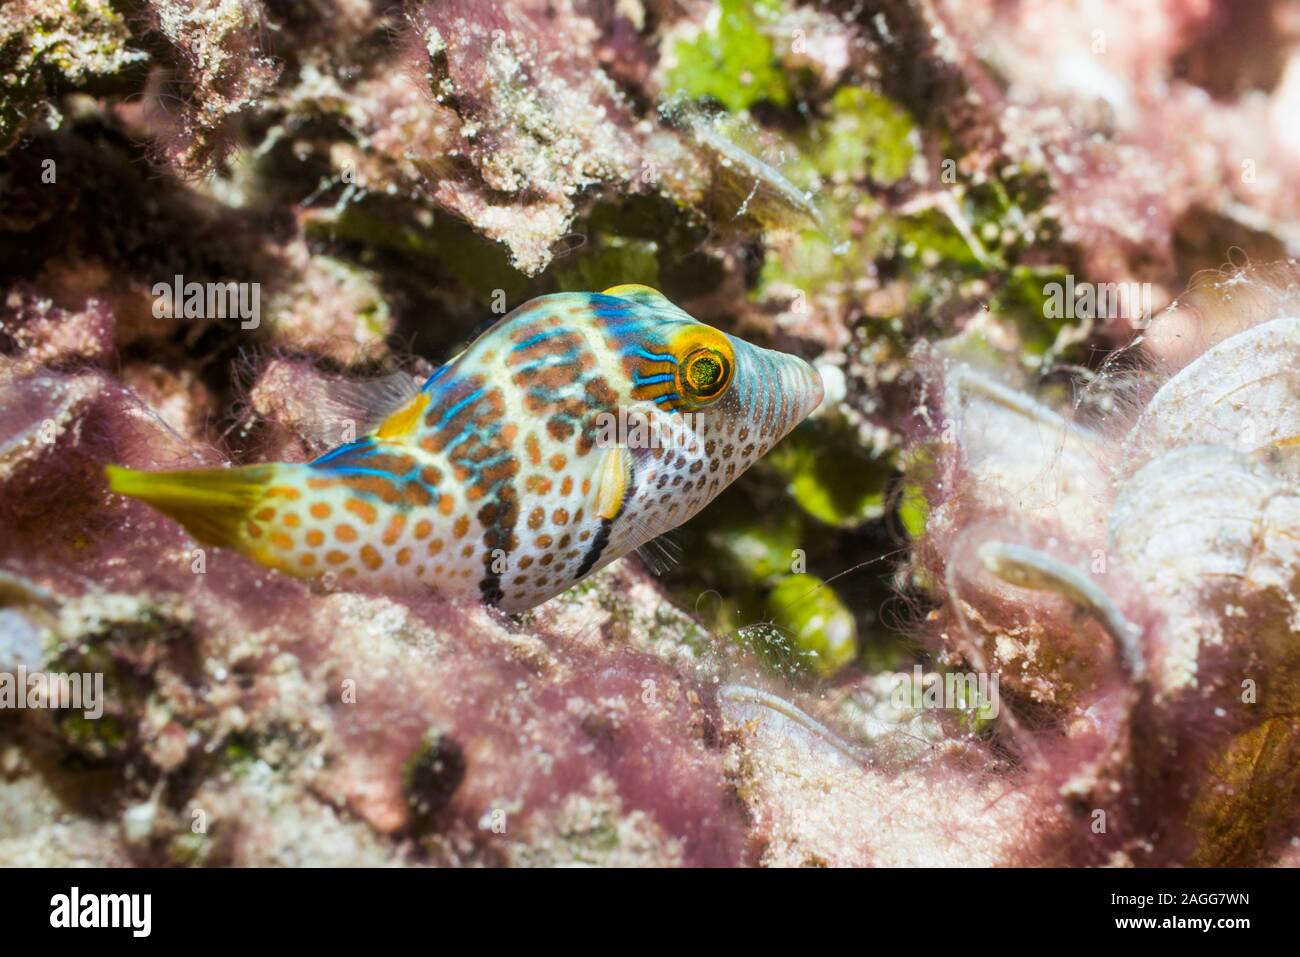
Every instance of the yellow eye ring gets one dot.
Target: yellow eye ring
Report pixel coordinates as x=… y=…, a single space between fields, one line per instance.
x=704 y=374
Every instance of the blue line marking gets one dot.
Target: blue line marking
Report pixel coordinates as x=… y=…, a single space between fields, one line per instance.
x=350 y=470
x=651 y=356
x=551 y=396
x=652 y=380
x=451 y=412
x=428 y=383
x=335 y=453
x=464 y=434
x=539 y=337
x=546 y=362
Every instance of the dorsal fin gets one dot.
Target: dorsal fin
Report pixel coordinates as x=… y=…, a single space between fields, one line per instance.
x=647 y=296
x=403 y=421
x=342 y=410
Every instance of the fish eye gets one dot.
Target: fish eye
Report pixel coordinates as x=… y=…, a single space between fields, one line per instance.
x=705 y=373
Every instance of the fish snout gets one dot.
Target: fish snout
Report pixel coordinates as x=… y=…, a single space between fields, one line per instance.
x=805 y=383
x=777 y=390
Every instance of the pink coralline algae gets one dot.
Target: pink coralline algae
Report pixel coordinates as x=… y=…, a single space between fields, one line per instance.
x=1150 y=605
x=449 y=730
x=1087 y=515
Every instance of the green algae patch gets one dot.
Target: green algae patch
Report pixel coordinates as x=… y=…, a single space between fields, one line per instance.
x=913 y=510
x=830 y=477
x=615 y=262
x=735 y=62
x=823 y=635
x=1023 y=301
x=751 y=546
x=866 y=136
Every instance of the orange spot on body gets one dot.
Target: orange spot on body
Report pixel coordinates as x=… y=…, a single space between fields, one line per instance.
x=362 y=510
x=394 y=530
x=345 y=533
x=423 y=527
x=320 y=510
x=336 y=557
x=462 y=526
x=371 y=557
x=265 y=514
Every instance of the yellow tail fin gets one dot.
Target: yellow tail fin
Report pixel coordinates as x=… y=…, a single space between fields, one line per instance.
x=213 y=504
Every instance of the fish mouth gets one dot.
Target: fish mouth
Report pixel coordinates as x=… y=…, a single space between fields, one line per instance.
x=810 y=386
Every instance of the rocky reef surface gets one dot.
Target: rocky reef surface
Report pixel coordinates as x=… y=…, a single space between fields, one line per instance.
x=1094 y=506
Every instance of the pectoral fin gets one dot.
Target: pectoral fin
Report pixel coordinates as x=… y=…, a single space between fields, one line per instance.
x=613 y=482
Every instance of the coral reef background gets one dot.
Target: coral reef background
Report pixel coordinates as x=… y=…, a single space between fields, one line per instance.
x=892 y=190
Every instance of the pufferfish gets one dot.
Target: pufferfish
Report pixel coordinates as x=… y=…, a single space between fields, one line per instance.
x=575 y=430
